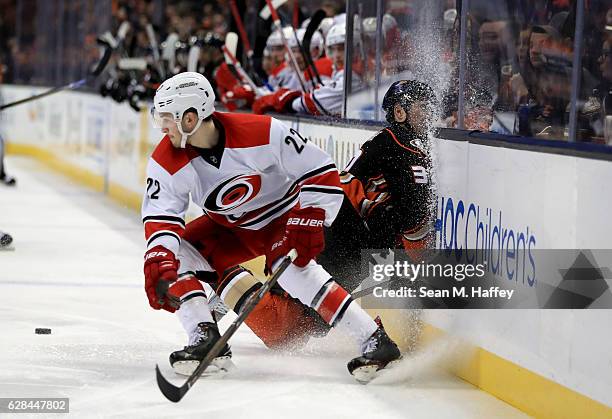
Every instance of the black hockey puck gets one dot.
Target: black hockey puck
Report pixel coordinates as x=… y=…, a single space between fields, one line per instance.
x=42 y=331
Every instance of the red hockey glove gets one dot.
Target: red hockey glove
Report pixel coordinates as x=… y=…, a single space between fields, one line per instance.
x=305 y=233
x=263 y=104
x=243 y=92
x=160 y=270
x=283 y=98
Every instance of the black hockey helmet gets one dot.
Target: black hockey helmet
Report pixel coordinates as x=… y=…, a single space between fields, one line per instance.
x=406 y=92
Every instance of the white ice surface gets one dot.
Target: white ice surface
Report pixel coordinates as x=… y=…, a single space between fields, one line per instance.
x=76 y=268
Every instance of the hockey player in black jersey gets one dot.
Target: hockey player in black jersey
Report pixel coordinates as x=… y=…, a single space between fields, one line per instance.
x=388 y=198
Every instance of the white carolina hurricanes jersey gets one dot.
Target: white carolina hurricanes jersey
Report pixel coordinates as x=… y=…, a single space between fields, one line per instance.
x=281 y=76
x=325 y=70
x=324 y=100
x=261 y=168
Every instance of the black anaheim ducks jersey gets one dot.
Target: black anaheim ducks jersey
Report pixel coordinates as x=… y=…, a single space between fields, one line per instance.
x=389 y=185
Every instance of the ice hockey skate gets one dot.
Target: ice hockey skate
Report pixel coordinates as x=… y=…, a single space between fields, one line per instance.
x=8 y=180
x=379 y=352
x=185 y=361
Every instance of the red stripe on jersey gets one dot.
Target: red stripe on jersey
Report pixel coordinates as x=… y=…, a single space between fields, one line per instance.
x=402 y=145
x=330 y=178
x=278 y=69
x=244 y=130
x=310 y=104
x=152 y=227
x=184 y=286
x=332 y=303
x=172 y=159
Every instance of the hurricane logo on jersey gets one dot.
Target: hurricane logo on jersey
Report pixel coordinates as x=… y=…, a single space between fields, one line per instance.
x=232 y=193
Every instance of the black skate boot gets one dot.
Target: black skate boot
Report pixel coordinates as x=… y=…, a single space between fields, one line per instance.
x=186 y=360
x=8 y=180
x=378 y=352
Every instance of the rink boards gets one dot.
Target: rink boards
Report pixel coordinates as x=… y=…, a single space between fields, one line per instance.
x=542 y=361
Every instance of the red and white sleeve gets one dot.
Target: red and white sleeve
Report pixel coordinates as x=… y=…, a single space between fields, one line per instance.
x=163 y=207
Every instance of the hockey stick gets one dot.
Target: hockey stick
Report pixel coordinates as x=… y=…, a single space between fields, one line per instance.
x=174 y=393
x=95 y=72
x=245 y=42
x=243 y=75
x=231 y=39
x=242 y=31
x=301 y=48
x=265 y=12
x=313 y=25
x=292 y=61
x=193 y=58
x=155 y=50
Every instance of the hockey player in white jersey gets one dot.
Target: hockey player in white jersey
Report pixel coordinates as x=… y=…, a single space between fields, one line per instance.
x=326 y=99
x=264 y=190
x=322 y=63
x=281 y=73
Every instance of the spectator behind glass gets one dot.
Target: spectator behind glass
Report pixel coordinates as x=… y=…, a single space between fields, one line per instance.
x=523 y=81
x=496 y=45
x=548 y=54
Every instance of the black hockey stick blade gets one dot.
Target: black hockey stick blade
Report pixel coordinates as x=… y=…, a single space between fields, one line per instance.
x=174 y=393
x=99 y=67
x=313 y=25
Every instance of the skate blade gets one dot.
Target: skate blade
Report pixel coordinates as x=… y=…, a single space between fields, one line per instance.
x=219 y=365
x=8 y=248
x=367 y=373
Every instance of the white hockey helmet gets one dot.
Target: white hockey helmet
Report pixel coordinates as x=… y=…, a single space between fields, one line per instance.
x=275 y=40
x=369 y=25
x=315 y=42
x=326 y=25
x=339 y=18
x=293 y=43
x=180 y=93
x=336 y=35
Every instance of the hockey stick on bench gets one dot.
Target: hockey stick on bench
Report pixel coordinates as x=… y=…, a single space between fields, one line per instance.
x=277 y=23
x=315 y=22
x=174 y=393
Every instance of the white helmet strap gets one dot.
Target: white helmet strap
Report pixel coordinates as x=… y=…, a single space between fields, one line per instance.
x=185 y=135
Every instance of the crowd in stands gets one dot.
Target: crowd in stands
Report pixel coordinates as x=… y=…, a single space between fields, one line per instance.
x=520 y=65
x=519 y=57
